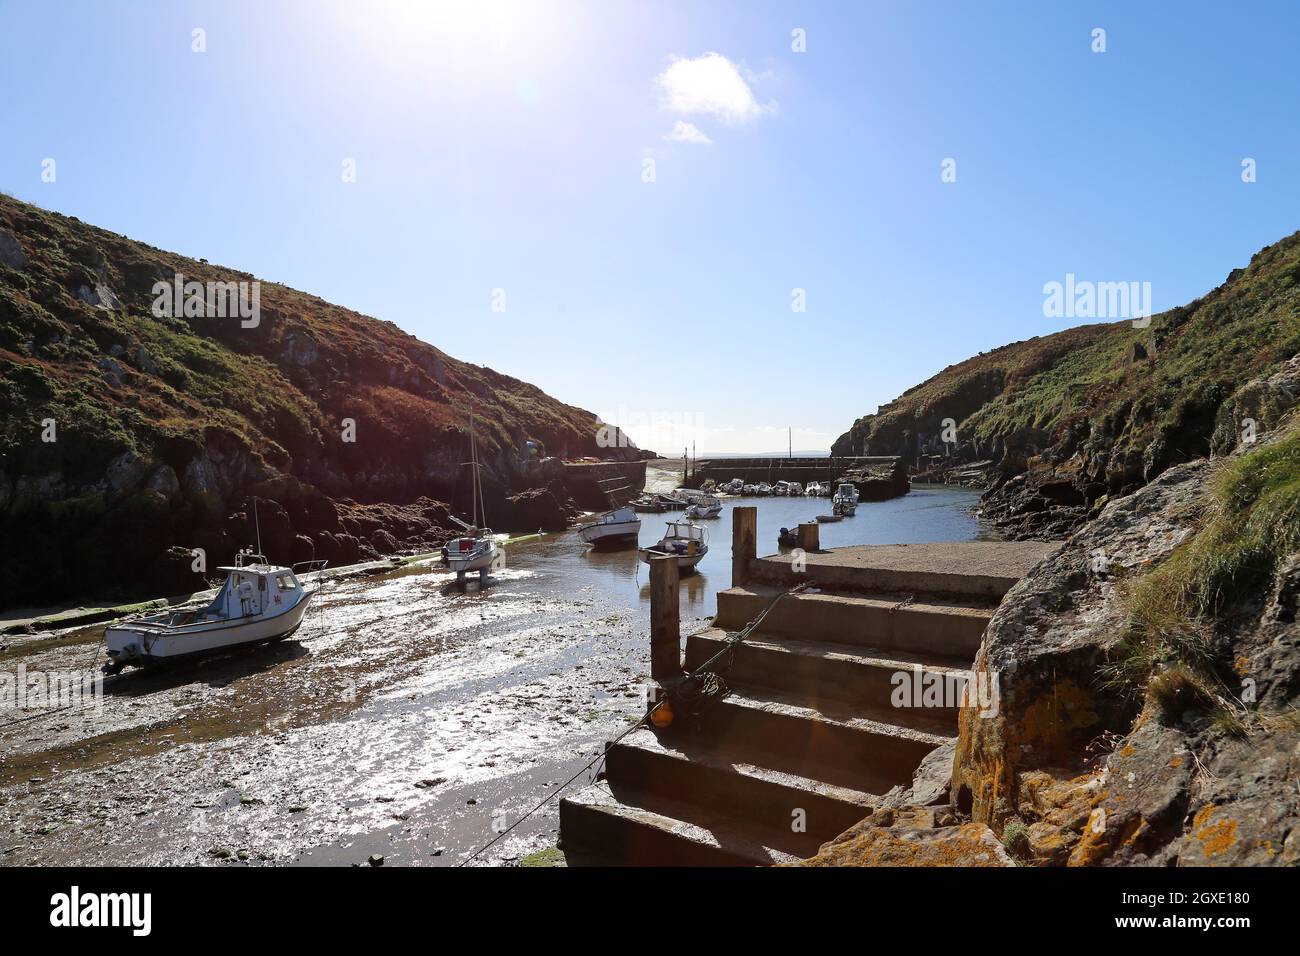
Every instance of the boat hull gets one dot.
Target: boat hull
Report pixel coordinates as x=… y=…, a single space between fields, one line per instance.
x=615 y=535
x=685 y=562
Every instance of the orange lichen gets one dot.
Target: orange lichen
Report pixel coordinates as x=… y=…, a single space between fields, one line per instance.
x=1216 y=838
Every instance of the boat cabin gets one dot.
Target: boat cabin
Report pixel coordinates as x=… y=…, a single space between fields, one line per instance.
x=252 y=590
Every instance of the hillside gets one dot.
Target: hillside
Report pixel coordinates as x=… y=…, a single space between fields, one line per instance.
x=1097 y=411
x=164 y=425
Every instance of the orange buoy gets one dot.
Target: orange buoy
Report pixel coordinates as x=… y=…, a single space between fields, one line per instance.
x=662 y=716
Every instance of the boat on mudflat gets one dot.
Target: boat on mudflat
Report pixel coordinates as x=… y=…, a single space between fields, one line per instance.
x=259 y=602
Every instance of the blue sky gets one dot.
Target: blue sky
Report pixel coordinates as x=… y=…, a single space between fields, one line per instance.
x=503 y=147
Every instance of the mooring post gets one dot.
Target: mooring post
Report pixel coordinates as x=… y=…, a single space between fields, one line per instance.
x=665 y=619
x=744 y=542
x=810 y=536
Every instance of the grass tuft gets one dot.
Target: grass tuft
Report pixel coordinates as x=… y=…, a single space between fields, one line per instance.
x=1251 y=525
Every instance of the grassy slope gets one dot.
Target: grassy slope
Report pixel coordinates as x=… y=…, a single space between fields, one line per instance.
x=1085 y=379
x=182 y=376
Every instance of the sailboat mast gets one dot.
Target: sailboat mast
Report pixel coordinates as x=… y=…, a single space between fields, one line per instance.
x=258 y=525
x=473 y=464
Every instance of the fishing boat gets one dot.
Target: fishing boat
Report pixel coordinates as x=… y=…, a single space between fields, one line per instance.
x=259 y=602
x=687 y=542
x=706 y=507
x=476 y=549
x=845 y=500
x=614 y=529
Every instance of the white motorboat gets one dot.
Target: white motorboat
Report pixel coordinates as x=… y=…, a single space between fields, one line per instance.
x=764 y=488
x=687 y=542
x=614 y=529
x=795 y=490
x=259 y=602
x=477 y=549
x=813 y=490
x=845 y=500
x=750 y=490
x=707 y=507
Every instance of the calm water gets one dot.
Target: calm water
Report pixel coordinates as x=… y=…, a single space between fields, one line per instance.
x=935 y=513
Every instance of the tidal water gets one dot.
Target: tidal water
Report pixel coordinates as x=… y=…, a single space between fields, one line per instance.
x=931 y=513
x=406 y=719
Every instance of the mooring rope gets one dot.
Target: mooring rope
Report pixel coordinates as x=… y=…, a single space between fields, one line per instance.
x=712 y=684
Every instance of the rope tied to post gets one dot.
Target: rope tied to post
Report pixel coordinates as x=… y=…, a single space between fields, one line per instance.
x=709 y=686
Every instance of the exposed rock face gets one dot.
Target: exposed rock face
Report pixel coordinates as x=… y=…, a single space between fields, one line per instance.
x=169 y=422
x=1256 y=407
x=11 y=253
x=1086 y=775
x=913 y=836
x=1047 y=642
x=880 y=482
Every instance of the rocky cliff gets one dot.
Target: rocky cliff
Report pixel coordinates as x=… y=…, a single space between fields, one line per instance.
x=135 y=425
x=1065 y=422
x=1148 y=675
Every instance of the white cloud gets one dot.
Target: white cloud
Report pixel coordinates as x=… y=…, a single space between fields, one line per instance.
x=684 y=132
x=709 y=84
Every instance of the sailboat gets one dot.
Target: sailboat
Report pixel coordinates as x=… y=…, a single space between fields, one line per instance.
x=476 y=549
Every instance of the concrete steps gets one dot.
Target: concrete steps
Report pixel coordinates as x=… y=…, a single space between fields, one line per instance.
x=942 y=628
x=744 y=781
x=855 y=747
x=807 y=737
x=826 y=672
x=616 y=824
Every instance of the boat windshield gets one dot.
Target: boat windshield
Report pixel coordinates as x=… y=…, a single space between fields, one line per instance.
x=688 y=531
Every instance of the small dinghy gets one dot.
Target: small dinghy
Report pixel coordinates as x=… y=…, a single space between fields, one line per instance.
x=614 y=529
x=828 y=519
x=260 y=602
x=687 y=542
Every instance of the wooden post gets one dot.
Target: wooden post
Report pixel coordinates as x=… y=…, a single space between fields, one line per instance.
x=810 y=537
x=665 y=619
x=744 y=542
